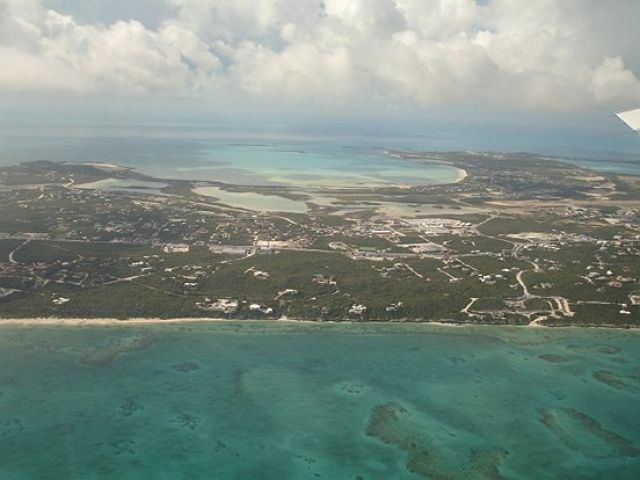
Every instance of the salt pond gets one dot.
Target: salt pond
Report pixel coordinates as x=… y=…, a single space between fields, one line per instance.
x=252 y=201
x=124 y=185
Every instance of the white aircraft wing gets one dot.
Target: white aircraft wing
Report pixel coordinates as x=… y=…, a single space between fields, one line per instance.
x=631 y=118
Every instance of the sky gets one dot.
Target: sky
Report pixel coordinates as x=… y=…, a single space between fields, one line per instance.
x=502 y=62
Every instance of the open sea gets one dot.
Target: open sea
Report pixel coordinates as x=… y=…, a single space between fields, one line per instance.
x=265 y=400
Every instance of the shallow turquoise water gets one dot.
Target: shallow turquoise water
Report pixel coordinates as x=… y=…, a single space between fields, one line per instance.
x=313 y=164
x=278 y=401
x=291 y=163
x=307 y=160
x=253 y=201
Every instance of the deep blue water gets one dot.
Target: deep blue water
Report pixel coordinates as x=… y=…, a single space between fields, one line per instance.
x=287 y=401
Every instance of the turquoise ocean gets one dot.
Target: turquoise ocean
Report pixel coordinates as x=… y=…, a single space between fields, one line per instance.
x=306 y=158
x=265 y=400
x=283 y=161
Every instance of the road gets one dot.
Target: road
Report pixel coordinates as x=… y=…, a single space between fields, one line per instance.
x=525 y=290
x=15 y=250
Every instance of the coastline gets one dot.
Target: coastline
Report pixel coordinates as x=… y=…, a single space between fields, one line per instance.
x=462 y=175
x=137 y=322
x=107 y=322
x=78 y=322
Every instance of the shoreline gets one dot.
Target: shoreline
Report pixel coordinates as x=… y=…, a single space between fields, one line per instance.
x=462 y=175
x=73 y=322
x=133 y=322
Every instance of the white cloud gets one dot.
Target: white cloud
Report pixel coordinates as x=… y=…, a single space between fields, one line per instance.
x=373 y=18
x=301 y=71
x=25 y=71
x=541 y=55
x=439 y=19
x=611 y=81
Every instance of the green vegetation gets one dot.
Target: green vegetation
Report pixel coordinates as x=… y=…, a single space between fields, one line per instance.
x=504 y=226
x=543 y=245
x=354 y=242
x=467 y=244
x=46 y=251
x=6 y=247
x=600 y=316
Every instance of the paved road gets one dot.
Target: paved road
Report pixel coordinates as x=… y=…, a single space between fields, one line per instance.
x=11 y=255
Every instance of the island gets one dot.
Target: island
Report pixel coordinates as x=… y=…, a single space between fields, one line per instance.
x=519 y=239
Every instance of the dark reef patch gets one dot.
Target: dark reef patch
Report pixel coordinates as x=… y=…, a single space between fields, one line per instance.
x=629 y=383
x=123 y=447
x=351 y=388
x=584 y=434
x=391 y=423
x=600 y=348
x=457 y=360
x=105 y=355
x=186 y=367
x=129 y=407
x=553 y=358
x=187 y=420
x=8 y=427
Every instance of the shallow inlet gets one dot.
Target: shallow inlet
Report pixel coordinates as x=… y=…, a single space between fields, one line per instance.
x=253 y=201
x=310 y=165
x=117 y=184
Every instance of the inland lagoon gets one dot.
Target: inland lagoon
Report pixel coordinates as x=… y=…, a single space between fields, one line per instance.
x=285 y=400
x=253 y=201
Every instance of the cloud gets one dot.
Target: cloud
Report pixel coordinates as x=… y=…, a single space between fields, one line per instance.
x=542 y=55
x=611 y=81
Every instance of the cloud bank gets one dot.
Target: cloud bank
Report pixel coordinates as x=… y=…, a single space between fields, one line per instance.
x=540 y=55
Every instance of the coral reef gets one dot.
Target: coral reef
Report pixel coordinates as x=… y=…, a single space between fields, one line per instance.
x=107 y=354
x=584 y=434
x=629 y=383
x=186 y=367
x=391 y=423
x=553 y=358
